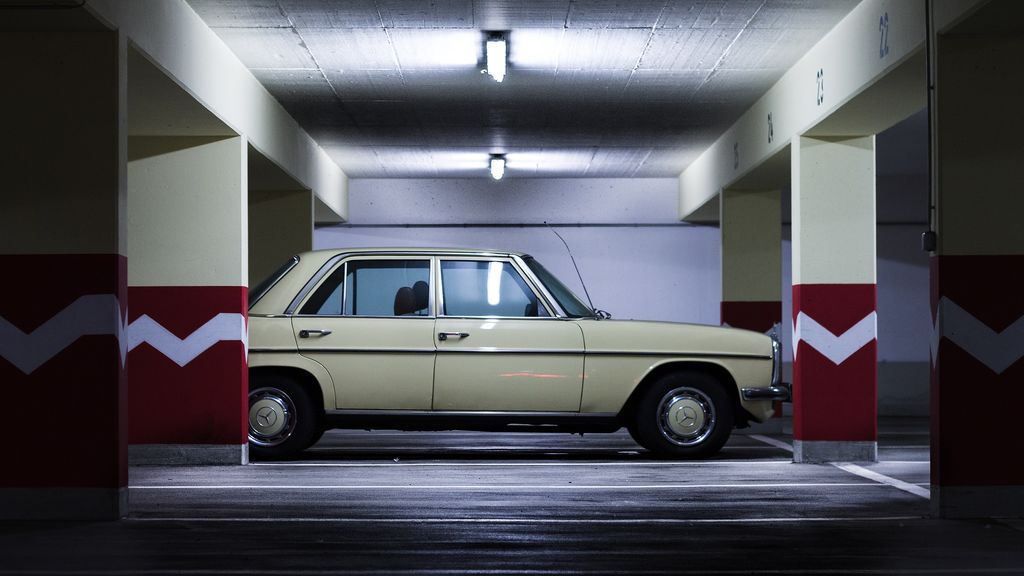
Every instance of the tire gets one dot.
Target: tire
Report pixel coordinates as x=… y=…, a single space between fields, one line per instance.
x=683 y=415
x=283 y=420
x=316 y=436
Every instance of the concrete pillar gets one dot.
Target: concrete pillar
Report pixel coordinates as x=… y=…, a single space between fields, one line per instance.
x=280 y=226
x=751 y=226
x=62 y=232
x=834 y=329
x=977 y=275
x=187 y=234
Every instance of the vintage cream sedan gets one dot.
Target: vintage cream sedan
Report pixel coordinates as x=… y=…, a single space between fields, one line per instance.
x=451 y=339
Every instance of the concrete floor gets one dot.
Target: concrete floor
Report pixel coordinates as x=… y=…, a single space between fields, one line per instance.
x=467 y=503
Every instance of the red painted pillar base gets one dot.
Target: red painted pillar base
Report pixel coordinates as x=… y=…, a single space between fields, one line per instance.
x=977 y=370
x=756 y=316
x=188 y=375
x=835 y=386
x=64 y=382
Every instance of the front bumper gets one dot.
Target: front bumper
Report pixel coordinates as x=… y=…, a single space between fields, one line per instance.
x=780 y=392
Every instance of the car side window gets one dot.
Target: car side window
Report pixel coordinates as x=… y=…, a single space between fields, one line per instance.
x=482 y=288
x=374 y=288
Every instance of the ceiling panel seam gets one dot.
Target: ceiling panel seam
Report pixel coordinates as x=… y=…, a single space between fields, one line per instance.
x=725 y=52
x=319 y=68
x=643 y=52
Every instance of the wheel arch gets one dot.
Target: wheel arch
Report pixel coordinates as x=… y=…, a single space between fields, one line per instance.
x=713 y=369
x=301 y=368
x=301 y=377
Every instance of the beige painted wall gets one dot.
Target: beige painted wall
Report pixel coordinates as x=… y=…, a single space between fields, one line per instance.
x=833 y=196
x=187 y=211
x=751 y=223
x=63 y=150
x=280 y=226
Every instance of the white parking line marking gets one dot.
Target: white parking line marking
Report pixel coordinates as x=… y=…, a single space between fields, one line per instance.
x=773 y=442
x=502 y=487
x=624 y=521
x=883 y=479
x=389 y=463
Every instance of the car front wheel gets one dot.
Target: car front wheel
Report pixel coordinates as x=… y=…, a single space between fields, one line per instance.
x=282 y=420
x=685 y=414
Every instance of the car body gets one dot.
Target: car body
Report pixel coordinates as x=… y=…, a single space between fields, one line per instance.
x=440 y=339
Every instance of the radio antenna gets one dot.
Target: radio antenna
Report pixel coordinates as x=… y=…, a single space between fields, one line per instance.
x=567 y=249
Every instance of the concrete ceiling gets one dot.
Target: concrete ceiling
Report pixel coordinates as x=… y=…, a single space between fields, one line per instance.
x=596 y=88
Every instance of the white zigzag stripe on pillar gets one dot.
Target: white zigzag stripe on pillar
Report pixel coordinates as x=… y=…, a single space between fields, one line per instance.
x=223 y=326
x=100 y=315
x=997 y=350
x=92 y=315
x=837 y=348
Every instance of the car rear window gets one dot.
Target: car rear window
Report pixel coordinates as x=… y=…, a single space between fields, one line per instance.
x=257 y=292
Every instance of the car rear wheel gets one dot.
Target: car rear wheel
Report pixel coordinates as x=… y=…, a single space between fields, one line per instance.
x=684 y=415
x=282 y=419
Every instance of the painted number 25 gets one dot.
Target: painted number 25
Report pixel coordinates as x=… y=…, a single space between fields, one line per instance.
x=883 y=32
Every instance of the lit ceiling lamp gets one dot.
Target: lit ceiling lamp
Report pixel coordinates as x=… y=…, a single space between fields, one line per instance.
x=497 y=166
x=496 y=49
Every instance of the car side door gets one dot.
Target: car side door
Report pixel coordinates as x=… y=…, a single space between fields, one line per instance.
x=370 y=322
x=499 y=347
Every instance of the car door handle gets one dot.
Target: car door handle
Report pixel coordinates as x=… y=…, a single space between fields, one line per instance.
x=442 y=336
x=308 y=333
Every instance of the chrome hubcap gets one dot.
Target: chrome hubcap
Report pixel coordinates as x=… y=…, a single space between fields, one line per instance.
x=271 y=417
x=686 y=416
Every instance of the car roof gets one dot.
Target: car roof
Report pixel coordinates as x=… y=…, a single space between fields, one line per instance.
x=420 y=250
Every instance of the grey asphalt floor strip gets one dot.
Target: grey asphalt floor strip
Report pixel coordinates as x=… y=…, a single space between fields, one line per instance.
x=390 y=463
x=539 y=572
x=531 y=521
x=511 y=487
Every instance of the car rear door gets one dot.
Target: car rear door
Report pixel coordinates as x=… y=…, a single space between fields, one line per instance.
x=370 y=322
x=498 y=346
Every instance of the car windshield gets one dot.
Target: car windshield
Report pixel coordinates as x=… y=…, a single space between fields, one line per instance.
x=573 y=306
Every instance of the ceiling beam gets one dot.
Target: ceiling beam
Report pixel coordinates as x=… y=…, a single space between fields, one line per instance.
x=865 y=75
x=176 y=40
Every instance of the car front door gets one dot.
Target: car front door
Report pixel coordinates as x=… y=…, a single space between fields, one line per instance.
x=499 y=348
x=370 y=322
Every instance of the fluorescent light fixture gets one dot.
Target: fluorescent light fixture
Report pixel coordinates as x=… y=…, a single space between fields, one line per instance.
x=497 y=166
x=497 y=53
x=494 y=283
x=540 y=48
x=433 y=49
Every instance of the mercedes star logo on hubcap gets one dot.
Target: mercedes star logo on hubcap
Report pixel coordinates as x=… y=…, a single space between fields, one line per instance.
x=266 y=416
x=686 y=416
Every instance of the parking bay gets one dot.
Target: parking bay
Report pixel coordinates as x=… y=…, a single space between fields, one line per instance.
x=462 y=502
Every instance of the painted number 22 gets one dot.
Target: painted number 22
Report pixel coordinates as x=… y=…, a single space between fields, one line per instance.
x=883 y=31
